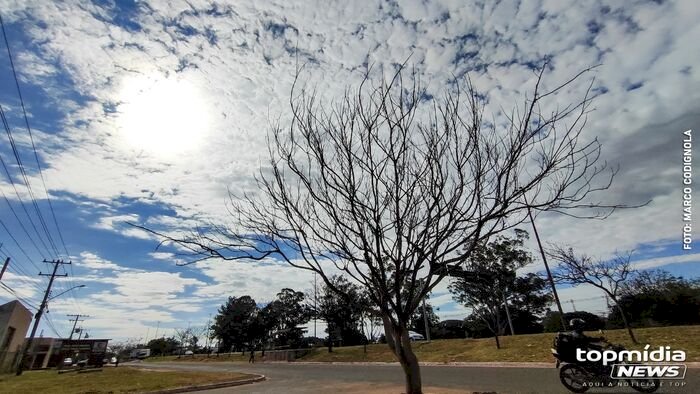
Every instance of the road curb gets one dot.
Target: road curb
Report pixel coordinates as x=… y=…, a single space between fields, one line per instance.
x=210 y=386
x=436 y=364
x=483 y=364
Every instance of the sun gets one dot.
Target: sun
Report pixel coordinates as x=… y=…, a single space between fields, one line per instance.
x=163 y=116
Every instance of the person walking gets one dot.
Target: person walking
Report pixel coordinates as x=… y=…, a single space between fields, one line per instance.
x=251 y=349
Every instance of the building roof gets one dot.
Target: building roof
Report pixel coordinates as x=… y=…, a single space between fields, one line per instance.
x=12 y=305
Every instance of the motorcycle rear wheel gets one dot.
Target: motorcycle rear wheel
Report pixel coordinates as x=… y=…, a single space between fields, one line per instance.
x=573 y=377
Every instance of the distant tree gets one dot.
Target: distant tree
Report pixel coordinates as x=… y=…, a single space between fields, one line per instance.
x=607 y=275
x=417 y=321
x=450 y=329
x=653 y=298
x=552 y=322
x=234 y=322
x=290 y=313
x=197 y=333
x=528 y=298
x=266 y=322
x=342 y=311
x=488 y=284
x=163 y=346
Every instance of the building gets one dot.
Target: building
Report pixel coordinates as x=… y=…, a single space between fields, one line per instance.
x=14 y=323
x=92 y=351
x=51 y=352
x=44 y=351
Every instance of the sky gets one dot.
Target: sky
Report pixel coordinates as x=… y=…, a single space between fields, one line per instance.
x=150 y=111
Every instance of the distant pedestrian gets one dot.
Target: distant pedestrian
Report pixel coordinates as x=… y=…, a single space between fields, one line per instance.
x=116 y=363
x=252 y=354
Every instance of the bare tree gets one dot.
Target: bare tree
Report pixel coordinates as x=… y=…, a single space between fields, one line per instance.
x=393 y=188
x=607 y=275
x=189 y=337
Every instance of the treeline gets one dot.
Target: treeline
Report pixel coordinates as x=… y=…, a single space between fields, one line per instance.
x=501 y=298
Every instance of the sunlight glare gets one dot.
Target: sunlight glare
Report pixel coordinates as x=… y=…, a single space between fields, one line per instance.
x=162 y=116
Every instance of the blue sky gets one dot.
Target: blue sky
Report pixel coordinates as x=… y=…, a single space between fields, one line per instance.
x=148 y=111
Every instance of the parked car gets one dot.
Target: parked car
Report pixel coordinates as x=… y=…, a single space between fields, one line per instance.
x=414 y=336
x=67 y=362
x=188 y=353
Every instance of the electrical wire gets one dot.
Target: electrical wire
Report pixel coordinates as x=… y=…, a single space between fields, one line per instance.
x=19 y=198
x=39 y=167
x=7 y=230
x=31 y=137
x=14 y=293
x=27 y=184
x=22 y=224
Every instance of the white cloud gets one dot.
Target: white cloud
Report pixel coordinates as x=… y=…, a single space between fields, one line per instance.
x=94 y=262
x=110 y=222
x=243 y=61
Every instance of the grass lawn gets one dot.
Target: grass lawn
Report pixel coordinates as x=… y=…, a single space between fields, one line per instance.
x=518 y=348
x=237 y=357
x=109 y=380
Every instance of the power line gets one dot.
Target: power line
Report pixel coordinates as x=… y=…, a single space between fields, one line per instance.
x=14 y=293
x=27 y=184
x=7 y=230
x=21 y=224
x=52 y=327
x=38 y=164
x=31 y=137
x=16 y=267
x=19 y=198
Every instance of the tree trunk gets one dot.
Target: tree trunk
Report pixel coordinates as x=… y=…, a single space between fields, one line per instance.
x=400 y=344
x=330 y=329
x=498 y=328
x=624 y=320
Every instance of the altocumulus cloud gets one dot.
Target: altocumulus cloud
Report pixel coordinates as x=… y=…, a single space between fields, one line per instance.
x=241 y=58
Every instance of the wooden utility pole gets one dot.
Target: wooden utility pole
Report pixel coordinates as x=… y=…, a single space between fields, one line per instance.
x=75 y=322
x=510 y=322
x=573 y=305
x=425 y=322
x=4 y=267
x=29 y=344
x=546 y=266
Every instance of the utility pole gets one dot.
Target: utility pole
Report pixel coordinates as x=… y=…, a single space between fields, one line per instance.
x=315 y=310
x=425 y=322
x=4 y=266
x=206 y=344
x=37 y=318
x=510 y=322
x=72 y=331
x=75 y=322
x=546 y=266
x=573 y=305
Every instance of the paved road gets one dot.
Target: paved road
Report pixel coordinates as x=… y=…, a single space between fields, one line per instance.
x=345 y=378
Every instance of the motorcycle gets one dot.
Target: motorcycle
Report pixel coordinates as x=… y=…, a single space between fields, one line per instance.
x=579 y=376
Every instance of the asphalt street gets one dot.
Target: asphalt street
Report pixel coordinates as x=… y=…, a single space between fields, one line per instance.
x=362 y=378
